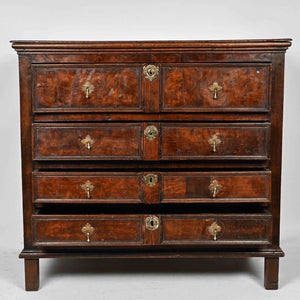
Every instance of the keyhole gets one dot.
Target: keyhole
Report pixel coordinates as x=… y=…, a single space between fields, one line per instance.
x=152 y=223
x=150 y=72
x=150 y=179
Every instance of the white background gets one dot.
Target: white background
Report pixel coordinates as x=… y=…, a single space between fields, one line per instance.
x=146 y=20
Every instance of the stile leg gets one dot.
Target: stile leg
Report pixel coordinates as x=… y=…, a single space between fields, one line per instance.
x=271 y=273
x=32 y=280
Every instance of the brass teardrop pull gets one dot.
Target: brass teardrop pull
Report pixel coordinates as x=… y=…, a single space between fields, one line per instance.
x=88 y=88
x=88 y=142
x=214 y=141
x=88 y=230
x=214 y=188
x=215 y=88
x=214 y=229
x=87 y=187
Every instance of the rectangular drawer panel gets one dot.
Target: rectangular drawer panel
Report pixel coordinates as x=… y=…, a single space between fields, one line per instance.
x=87 y=187
x=216 y=187
x=64 y=230
x=229 y=229
x=242 y=230
x=93 y=141
x=215 y=141
x=152 y=187
x=238 y=87
x=82 y=88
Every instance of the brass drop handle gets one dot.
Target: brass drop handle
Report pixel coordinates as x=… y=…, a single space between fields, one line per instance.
x=214 y=188
x=214 y=141
x=87 y=187
x=215 y=88
x=214 y=229
x=88 y=142
x=152 y=222
x=87 y=88
x=88 y=230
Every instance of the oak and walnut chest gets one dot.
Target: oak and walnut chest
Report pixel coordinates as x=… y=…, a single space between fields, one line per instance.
x=151 y=149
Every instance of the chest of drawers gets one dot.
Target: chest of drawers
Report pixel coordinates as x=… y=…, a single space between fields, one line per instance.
x=151 y=149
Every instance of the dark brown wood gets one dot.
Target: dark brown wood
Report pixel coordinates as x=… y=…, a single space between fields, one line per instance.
x=238 y=230
x=115 y=88
x=193 y=254
x=245 y=118
x=233 y=187
x=236 y=141
x=186 y=87
x=32 y=271
x=271 y=273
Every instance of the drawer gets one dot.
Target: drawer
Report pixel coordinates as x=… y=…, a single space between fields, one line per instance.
x=227 y=229
x=93 y=141
x=215 y=141
x=146 y=141
x=227 y=87
x=83 y=88
x=138 y=230
x=152 y=187
x=216 y=187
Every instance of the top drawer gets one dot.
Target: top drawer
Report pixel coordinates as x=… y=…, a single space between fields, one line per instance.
x=169 y=88
x=84 y=88
x=195 y=87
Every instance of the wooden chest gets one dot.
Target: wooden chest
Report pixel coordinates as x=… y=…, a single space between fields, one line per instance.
x=151 y=149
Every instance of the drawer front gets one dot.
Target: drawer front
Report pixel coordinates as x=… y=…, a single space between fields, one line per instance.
x=145 y=141
x=152 y=187
x=83 y=230
x=231 y=230
x=98 y=141
x=216 y=187
x=215 y=87
x=113 y=88
x=142 y=230
x=91 y=187
x=215 y=141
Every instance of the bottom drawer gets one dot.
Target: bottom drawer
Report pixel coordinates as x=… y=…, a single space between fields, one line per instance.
x=242 y=230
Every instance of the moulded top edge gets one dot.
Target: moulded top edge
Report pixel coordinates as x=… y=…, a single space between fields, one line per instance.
x=36 y=45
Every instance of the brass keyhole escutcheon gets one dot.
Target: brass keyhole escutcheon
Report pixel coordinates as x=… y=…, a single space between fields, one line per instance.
x=88 y=230
x=88 y=88
x=215 y=88
x=152 y=223
x=214 y=188
x=151 y=132
x=150 y=72
x=214 y=229
x=150 y=180
x=214 y=141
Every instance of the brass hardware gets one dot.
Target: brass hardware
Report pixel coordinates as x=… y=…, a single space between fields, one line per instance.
x=214 y=229
x=152 y=222
x=215 y=88
x=214 y=188
x=87 y=187
x=150 y=72
x=88 y=141
x=88 y=230
x=150 y=180
x=151 y=132
x=88 y=88
x=214 y=141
